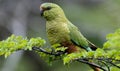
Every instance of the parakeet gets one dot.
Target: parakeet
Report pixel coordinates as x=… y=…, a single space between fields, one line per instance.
x=60 y=30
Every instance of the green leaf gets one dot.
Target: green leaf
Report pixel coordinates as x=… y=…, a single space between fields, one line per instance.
x=99 y=53
x=15 y=43
x=113 y=40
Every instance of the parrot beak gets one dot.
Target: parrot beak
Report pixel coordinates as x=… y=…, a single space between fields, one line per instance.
x=41 y=11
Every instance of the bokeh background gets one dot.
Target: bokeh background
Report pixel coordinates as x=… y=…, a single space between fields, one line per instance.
x=95 y=19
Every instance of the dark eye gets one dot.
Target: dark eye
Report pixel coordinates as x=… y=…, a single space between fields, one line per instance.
x=48 y=8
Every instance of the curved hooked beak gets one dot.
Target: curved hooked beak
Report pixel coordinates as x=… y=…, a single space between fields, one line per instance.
x=41 y=11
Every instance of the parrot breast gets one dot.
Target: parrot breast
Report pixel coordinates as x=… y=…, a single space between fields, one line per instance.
x=57 y=32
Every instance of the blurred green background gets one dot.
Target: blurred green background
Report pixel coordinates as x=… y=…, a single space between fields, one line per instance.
x=95 y=19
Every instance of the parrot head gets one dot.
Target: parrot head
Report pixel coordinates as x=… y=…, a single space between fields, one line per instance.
x=50 y=11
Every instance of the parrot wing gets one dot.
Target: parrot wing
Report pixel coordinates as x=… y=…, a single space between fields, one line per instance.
x=78 y=39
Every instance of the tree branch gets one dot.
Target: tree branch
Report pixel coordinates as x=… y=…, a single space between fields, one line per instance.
x=114 y=64
x=106 y=65
x=91 y=64
x=108 y=60
x=83 y=60
x=49 y=53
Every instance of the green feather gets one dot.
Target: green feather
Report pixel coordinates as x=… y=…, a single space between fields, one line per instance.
x=77 y=37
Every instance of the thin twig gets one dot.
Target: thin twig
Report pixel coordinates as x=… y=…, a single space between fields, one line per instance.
x=91 y=64
x=108 y=60
x=114 y=64
x=44 y=51
x=103 y=59
x=106 y=65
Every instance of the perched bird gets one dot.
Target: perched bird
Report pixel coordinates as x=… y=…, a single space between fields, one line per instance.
x=61 y=31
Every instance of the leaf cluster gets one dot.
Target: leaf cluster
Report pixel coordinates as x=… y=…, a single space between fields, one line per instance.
x=15 y=43
x=107 y=56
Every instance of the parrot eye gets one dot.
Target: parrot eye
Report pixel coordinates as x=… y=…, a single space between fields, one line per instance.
x=48 y=8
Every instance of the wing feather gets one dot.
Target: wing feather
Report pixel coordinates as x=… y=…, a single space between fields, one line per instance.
x=78 y=38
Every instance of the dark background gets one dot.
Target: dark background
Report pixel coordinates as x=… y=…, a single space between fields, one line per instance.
x=95 y=19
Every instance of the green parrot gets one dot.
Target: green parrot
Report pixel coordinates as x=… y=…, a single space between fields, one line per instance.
x=60 y=30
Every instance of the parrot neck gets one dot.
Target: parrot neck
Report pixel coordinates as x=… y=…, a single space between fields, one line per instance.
x=60 y=17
